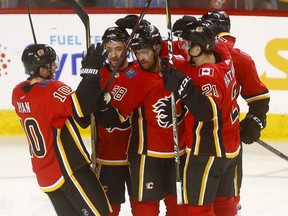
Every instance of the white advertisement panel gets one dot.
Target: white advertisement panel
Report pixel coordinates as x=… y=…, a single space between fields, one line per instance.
x=265 y=38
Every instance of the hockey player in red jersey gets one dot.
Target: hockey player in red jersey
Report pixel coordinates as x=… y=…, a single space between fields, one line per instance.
x=178 y=27
x=46 y=108
x=211 y=125
x=112 y=162
x=144 y=100
x=249 y=86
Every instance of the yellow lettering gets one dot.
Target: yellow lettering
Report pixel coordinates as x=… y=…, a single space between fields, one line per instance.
x=272 y=54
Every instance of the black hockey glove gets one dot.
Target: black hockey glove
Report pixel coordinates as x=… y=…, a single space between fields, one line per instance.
x=198 y=104
x=250 y=128
x=103 y=102
x=180 y=24
x=175 y=81
x=130 y=21
x=93 y=61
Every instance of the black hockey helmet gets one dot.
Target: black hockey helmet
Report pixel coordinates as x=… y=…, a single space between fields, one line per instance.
x=220 y=18
x=147 y=36
x=115 y=34
x=200 y=33
x=38 y=55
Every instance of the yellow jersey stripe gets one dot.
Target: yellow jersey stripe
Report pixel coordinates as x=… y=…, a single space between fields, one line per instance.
x=77 y=105
x=140 y=132
x=204 y=180
x=141 y=177
x=55 y=186
x=198 y=138
x=76 y=140
x=258 y=97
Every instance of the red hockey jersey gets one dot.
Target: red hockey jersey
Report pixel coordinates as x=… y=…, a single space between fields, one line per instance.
x=113 y=142
x=249 y=85
x=141 y=96
x=220 y=136
x=45 y=112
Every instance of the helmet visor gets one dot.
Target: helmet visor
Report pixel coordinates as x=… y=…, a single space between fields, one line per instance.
x=184 y=44
x=56 y=63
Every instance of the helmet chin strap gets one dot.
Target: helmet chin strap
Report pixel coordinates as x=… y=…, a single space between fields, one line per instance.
x=193 y=56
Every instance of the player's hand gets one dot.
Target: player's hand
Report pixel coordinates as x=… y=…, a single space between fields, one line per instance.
x=175 y=81
x=93 y=61
x=130 y=21
x=250 y=128
x=180 y=24
x=103 y=101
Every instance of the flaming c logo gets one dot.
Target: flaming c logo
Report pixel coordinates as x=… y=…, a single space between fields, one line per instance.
x=164 y=113
x=4 y=61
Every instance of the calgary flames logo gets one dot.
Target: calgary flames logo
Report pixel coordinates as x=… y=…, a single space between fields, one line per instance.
x=164 y=112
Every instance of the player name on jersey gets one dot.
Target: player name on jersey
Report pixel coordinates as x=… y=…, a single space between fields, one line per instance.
x=23 y=107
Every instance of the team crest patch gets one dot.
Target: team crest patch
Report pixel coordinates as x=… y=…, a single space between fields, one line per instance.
x=130 y=73
x=40 y=52
x=206 y=72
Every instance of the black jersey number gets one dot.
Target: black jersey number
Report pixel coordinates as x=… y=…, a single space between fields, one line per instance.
x=36 y=139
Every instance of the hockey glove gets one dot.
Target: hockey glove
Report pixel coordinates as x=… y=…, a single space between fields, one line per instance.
x=93 y=61
x=103 y=101
x=175 y=81
x=181 y=24
x=250 y=128
x=130 y=21
x=198 y=104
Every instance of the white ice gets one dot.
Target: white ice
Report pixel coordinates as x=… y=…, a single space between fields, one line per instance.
x=264 y=190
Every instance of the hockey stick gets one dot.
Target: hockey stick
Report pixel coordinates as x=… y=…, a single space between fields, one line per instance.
x=30 y=20
x=173 y=109
x=272 y=149
x=123 y=54
x=82 y=14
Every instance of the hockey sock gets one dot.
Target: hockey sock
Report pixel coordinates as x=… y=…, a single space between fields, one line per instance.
x=116 y=209
x=145 y=208
x=204 y=210
x=225 y=206
x=172 y=209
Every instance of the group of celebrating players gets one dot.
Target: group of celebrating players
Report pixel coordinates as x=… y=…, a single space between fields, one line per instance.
x=135 y=146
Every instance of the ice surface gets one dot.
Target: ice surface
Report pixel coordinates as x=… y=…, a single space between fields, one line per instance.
x=264 y=189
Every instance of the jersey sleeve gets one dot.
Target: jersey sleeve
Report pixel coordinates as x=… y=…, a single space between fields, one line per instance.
x=86 y=96
x=61 y=103
x=252 y=89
